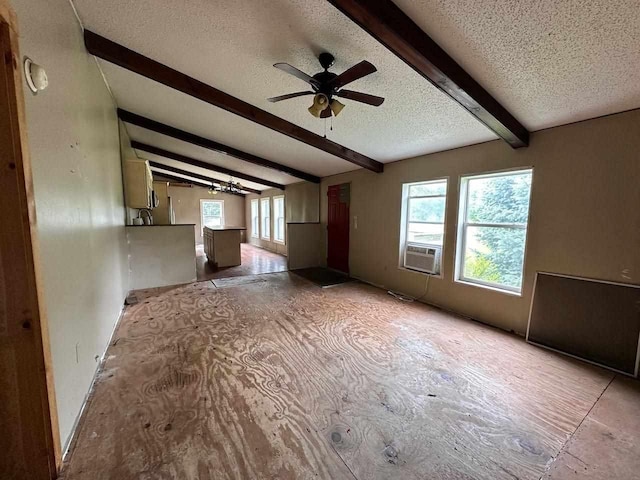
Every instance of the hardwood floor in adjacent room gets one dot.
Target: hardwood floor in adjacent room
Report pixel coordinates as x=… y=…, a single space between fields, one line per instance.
x=255 y=260
x=281 y=379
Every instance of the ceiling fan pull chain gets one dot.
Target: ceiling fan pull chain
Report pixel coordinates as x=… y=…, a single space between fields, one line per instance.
x=325 y=128
x=331 y=123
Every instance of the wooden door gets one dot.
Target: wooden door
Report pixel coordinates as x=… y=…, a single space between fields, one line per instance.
x=338 y=227
x=29 y=447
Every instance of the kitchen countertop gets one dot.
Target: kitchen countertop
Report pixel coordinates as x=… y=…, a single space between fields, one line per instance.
x=225 y=228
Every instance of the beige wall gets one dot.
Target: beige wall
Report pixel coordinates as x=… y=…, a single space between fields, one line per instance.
x=304 y=245
x=161 y=255
x=301 y=204
x=585 y=215
x=73 y=138
x=186 y=205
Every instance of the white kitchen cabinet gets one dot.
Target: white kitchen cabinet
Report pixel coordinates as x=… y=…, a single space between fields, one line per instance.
x=138 y=183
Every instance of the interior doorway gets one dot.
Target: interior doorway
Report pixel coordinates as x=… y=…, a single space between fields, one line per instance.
x=338 y=227
x=29 y=441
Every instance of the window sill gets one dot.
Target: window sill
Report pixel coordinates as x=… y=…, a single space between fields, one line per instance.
x=434 y=275
x=488 y=287
x=279 y=242
x=266 y=239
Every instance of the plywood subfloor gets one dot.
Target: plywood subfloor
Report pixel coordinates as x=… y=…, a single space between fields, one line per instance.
x=284 y=380
x=254 y=260
x=605 y=446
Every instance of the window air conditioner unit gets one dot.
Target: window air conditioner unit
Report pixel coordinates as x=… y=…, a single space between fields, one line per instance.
x=424 y=258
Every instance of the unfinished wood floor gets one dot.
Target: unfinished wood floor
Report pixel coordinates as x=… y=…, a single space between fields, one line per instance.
x=285 y=380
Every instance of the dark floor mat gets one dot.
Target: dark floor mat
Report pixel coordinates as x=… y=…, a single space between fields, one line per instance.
x=323 y=277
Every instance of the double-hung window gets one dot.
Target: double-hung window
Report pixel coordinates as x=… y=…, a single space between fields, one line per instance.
x=212 y=213
x=255 y=219
x=265 y=218
x=278 y=219
x=424 y=213
x=493 y=217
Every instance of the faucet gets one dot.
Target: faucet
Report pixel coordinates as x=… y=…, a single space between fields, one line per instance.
x=149 y=215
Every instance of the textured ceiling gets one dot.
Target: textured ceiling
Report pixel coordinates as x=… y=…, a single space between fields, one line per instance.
x=233 y=44
x=549 y=62
x=199 y=153
x=153 y=100
x=197 y=170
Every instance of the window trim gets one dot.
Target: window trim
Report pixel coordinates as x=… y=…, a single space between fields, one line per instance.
x=461 y=240
x=204 y=200
x=256 y=233
x=404 y=224
x=262 y=218
x=275 y=219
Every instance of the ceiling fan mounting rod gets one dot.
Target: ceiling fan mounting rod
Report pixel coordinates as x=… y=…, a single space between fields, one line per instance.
x=326 y=60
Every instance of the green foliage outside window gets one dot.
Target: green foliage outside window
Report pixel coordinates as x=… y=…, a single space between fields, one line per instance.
x=496 y=254
x=212 y=209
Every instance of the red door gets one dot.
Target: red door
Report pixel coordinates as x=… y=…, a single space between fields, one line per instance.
x=338 y=228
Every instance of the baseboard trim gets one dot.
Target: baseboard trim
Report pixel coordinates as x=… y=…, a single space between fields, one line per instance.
x=446 y=309
x=73 y=436
x=268 y=249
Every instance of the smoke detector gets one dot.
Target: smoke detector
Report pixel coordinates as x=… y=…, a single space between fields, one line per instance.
x=35 y=75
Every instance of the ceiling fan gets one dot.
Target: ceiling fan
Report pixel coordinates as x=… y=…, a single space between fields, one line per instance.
x=327 y=85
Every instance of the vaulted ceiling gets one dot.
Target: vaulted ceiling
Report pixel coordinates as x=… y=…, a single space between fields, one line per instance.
x=548 y=62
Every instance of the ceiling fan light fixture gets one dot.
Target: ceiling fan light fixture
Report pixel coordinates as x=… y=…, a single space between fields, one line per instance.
x=326 y=85
x=320 y=102
x=336 y=107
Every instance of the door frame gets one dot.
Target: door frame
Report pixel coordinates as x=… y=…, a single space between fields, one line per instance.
x=24 y=335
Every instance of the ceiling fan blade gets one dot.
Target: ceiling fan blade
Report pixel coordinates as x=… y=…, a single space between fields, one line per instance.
x=326 y=113
x=288 y=96
x=359 y=70
x=361 y=97
x=285 y=67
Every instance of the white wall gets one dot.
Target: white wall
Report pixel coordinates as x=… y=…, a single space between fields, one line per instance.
x=585 y=215
x=161 y=255
x=74 y=146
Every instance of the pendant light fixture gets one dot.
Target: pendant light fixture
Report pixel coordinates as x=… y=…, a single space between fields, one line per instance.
x=320 y=103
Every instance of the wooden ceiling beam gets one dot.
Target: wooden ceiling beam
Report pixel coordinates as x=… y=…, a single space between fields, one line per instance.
x=389 y=25
x=123 y=57
x=193 y=139
x=161 y=176
x=204 y=178
x=199 y=163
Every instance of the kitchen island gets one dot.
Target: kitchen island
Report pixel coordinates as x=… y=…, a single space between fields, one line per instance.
x=222 y=245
